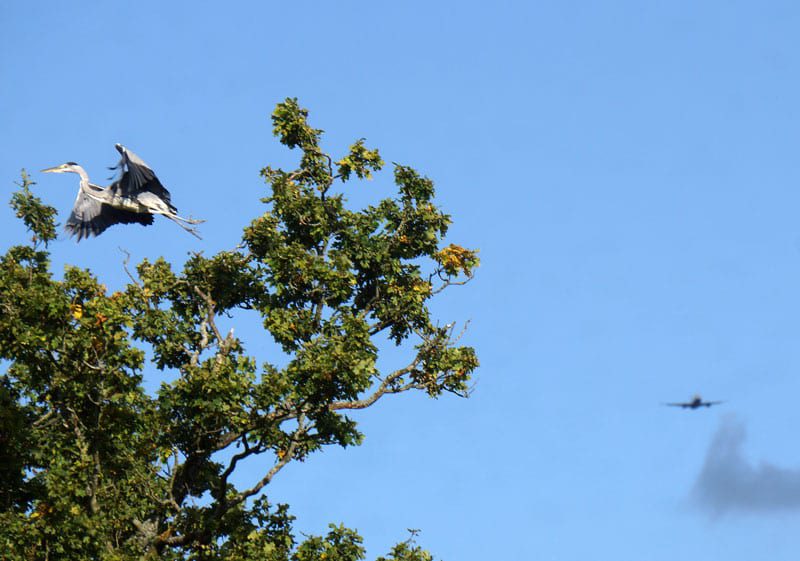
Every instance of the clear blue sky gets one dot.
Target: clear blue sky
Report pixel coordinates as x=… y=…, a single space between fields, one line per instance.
x=630 y=173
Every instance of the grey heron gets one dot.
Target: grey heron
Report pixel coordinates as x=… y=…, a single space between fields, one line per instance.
x=133 y=198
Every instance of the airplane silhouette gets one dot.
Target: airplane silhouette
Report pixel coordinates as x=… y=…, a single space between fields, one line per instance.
x=696 y=403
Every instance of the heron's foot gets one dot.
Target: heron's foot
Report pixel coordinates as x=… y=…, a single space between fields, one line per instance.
x=188 y=220
x=192 y=231
x=180 y=222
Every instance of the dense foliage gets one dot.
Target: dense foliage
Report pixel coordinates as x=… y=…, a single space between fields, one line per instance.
x=94 y=467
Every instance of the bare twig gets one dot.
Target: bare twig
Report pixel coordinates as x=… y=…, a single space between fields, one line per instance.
x=211 y=313
x=125 y=266
x=447 y=282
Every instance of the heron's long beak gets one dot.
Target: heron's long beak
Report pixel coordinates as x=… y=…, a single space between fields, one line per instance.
x=56 y=169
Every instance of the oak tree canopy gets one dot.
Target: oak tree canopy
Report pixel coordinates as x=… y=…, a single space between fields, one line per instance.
x=92 y=466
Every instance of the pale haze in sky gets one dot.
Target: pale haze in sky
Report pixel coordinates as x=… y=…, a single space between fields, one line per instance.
x=630 y=173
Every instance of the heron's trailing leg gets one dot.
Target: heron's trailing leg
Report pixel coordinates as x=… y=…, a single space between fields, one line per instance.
x=181 y=221
x=178 y=220
x=188 y=220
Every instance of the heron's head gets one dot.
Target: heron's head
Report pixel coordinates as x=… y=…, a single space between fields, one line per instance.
x=69 y=167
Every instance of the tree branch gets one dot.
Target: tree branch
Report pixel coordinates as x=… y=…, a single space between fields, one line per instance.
x=282 y=461
x=235 y=459
x=384 y=388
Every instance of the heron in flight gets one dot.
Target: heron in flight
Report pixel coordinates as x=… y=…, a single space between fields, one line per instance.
x=133 y=198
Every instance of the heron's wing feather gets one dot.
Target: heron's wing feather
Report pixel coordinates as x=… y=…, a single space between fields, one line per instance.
x=90 y=217
x=137 y=177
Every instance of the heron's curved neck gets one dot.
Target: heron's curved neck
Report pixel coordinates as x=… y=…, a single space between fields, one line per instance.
x=84 y=176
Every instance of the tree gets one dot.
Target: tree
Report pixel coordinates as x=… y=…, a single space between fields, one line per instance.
x=94 y=467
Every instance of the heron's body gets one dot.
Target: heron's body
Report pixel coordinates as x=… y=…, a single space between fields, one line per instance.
x=134 y=198
x=141 y=203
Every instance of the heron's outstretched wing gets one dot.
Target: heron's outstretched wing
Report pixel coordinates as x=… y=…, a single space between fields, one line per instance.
x=684 y=405
x=137 y=177
x=91 y=218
